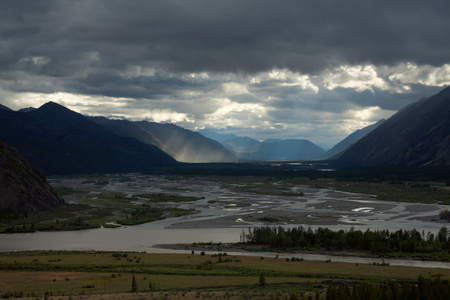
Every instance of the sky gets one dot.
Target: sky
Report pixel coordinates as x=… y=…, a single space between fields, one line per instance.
x=315 y=70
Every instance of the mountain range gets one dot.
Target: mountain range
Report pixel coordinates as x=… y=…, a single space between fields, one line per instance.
x=57 y=140
x=276 y=149
x=293 y=149
x=417 y=135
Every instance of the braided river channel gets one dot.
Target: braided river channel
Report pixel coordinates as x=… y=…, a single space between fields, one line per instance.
x=224 y=212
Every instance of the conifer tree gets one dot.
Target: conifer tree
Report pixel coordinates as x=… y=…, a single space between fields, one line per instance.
x=134 y=287
x=262 y=280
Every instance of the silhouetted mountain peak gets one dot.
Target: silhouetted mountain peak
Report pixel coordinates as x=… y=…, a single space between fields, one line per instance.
x=75 y=145
x=60 y=117
x=4 y=107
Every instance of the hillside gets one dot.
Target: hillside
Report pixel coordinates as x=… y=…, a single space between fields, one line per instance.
x=22 y=187
x=418 y=135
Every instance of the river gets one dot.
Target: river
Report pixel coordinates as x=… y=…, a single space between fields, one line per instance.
x=219 y=220
x=145 y=239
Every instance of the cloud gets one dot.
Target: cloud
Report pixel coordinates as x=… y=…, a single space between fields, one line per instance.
x=257 y=67
x=305 y=36
x=359 y=78
x=426 y=75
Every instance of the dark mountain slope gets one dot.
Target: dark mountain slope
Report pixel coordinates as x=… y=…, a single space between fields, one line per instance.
x=185 y=145
x=59 y=117
x=76 y=150
x=353 y=137
x=22 y=187
x=4 y=107
x=417 y=135
x=127 y=129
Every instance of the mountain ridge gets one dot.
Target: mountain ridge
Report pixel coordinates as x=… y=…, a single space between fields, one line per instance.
x=75 y=150
x=417 y=135
x=59 y=117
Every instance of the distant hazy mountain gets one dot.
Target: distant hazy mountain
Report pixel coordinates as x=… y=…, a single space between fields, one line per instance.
x=345 y=143
x=27 y=109
x=418 y=135
x=242 y=145
x=185 y=145
x=217 y=136
x=22 y=187
x=287 y=150
x=271 y=149
x=269 y=141
x=75 y=144
x=274 y=149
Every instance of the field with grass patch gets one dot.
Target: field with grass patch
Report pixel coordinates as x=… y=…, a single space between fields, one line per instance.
x=57 y=274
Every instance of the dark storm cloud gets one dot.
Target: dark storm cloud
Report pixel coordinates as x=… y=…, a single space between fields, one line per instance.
x=223 y=36
x=188 y=58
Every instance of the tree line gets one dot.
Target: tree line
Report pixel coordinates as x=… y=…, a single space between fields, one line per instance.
x=379 y=241
x=424 y=289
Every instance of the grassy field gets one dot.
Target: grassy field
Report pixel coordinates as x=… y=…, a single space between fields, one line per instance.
x=177 y=276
